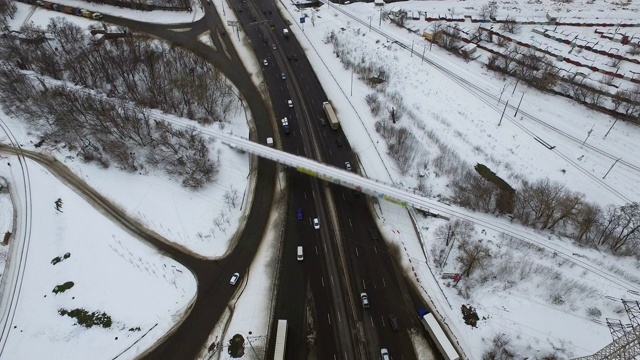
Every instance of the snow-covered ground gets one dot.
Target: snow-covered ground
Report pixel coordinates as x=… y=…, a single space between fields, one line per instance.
x=105 y=269
x=437 y=109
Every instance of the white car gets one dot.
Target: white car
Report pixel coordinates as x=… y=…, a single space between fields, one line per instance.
x=265 y=62
x=347 y=165
x=234 y=279
x=290 y=103
x=316 y=224
x=384 y=354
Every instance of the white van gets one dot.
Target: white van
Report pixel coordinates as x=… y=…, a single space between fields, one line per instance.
x=300 y=254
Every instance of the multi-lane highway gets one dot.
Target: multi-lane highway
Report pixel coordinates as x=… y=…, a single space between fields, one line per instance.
x=320 y=296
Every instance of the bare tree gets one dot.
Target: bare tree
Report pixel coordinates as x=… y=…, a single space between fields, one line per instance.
x=510 y=25
x=450 y=39
x=585 y=220
x=472 y=254
x=489 y=11
x=231 y=197
x=607 y=79
x=8 y=8
x=447 y=232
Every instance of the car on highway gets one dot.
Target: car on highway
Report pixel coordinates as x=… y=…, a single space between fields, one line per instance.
x=373 y=233
x=384 y=354
x=273 y=46
x=323 y=122
x=339 y=141
x=289 y=102
x=265 y=62
x=365 y=300
x=393 y=320
x=347 y=165
x=316 y=224
x=234 y=278
x=289 y=57
x=295 y=57
x=283 y=76
x=299 y=214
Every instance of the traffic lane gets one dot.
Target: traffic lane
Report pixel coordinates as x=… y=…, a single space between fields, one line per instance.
x=360 y=280
x=291 y=298
x=385 y=297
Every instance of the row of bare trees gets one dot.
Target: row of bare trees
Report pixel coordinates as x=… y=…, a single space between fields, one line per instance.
x=149 y=73
x=106 y=124
x=107 y=131
x=549 y=205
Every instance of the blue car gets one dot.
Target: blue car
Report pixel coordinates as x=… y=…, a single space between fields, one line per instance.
x=299 y=214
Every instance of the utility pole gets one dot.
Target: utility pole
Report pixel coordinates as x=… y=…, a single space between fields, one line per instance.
x=518 y=108
x=514 y=88
x=505 y=109
x=351 y=81
x=425 y=49
x=614 y=164
x=588 y=134
x=412 y=48
x=380 y=22
x=605 y=135
x=502 y=92
x=223 y=13
x=370 y=18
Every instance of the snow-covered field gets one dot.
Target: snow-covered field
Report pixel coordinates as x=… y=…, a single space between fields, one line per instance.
x=515 y=300
x=100 y=267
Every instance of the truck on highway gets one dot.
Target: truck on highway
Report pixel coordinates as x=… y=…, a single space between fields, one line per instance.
x=285 y=32
x=331 y=115
x=281 y=340
x=438 y=336
x=285 y=125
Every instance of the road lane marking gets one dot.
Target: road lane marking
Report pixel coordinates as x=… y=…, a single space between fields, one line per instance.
x=357 y=254
x=322 y=279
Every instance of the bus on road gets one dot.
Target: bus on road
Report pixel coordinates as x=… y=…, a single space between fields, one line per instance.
x=331 y=115
x=281 y=340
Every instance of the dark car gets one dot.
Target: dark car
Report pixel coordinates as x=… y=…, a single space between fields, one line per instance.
x=374 y=233
x=299 y=214
x=394 y=322
x=288 y=57
x=323 y=122
x=295 y=57
x=265 y=40
x=339 y=141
